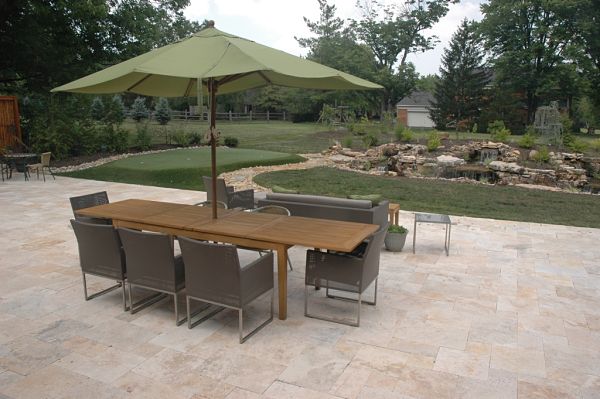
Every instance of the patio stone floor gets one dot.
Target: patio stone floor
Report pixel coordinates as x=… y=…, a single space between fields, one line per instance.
x=514 y=311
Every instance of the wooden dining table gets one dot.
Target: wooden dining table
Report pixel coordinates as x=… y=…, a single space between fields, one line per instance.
x=234 y=226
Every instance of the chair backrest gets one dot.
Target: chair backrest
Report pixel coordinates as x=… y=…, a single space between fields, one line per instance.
x=220 y=204
x=212 y=271
x=372 y=255
x=45 y=158
x=273 y=209
x=222 y=193
x=150 y=260
x=88 y=200
x=99 y=249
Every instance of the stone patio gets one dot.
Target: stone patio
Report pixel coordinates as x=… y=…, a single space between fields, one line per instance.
x=514 y=311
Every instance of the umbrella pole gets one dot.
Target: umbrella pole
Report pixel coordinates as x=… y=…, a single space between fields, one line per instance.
x=213 y=144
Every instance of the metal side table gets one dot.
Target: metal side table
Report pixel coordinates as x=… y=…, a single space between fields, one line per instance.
x=434 y=218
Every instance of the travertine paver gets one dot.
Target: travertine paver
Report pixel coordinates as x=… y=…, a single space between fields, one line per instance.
x=514 y=311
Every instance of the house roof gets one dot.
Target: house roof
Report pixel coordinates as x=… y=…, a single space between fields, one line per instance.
x=417 y=99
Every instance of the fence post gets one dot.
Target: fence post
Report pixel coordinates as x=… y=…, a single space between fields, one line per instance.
x=230 y=119
x=283 y=115
x=267 y=115
x=250 y=114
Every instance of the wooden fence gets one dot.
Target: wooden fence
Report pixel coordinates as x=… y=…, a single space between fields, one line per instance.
x=230 y=116
x=10 y=126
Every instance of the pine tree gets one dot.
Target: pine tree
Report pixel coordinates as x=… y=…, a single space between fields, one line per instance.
x=139 y=110
x=459 y=93
x=97 y=109
x=162 y=112
x=116 y=110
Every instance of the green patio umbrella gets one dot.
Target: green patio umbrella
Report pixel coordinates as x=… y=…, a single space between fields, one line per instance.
x=219 y=63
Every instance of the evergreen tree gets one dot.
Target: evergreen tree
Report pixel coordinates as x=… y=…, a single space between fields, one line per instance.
x=162 y=112
x=116 y=110
x=139 y=110
x=459 y=92
x=97 y=109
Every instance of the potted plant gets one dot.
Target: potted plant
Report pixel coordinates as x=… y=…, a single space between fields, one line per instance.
x=395 y=238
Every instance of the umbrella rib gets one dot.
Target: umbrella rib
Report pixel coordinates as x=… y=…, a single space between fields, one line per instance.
x=231 y=78
x=188 y=88
x=262 y=75
x=138 y=82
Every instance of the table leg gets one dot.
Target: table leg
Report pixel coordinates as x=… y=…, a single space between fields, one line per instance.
x=449 y=229
x=414 y=234
x=282 y=281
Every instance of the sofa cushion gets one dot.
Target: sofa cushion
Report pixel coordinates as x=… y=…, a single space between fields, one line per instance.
x=374 y=198
x=321 y=200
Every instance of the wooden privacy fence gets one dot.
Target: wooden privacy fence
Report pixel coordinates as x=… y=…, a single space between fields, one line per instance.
x=230 y=116
x=10 y=127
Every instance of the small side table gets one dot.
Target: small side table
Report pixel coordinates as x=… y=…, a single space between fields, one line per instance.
x=434 y=218
x=394 y=213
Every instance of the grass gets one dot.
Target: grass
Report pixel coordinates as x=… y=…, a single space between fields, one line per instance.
x=496 y=202
x=296 y=138
x=181 y=168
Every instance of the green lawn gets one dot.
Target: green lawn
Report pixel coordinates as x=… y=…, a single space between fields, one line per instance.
x=294 y=138
x=181 y=168
x=497 y=202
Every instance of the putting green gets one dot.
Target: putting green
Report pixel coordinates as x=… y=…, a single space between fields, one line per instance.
x=190 y=158
x=181 y=168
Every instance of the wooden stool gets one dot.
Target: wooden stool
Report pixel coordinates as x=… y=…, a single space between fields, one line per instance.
x=394 y=213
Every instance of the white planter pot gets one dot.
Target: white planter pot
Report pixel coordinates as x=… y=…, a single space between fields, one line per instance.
x=395 y=241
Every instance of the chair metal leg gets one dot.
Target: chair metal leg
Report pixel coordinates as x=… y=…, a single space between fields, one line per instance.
x=343 y=298
x=97 y=294
x=125 y=307
x=190 y=315
x=332 y=319
x=145 y=302
x=260 y=327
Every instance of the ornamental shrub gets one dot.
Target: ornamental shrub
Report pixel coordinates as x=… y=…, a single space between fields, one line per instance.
x=162 y=112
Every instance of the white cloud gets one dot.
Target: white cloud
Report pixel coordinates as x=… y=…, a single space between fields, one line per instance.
x=276 y=22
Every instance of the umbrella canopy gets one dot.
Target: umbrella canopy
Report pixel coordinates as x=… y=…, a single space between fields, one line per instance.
x=222 y=63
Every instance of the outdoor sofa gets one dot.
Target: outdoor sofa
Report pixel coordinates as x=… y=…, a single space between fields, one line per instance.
x=314 y=206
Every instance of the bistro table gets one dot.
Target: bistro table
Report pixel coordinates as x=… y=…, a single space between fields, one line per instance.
x=434 y=218
x=254 y=230
x=19 y=161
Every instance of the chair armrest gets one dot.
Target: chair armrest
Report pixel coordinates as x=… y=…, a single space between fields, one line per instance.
x=257 y=278
x=242 y=199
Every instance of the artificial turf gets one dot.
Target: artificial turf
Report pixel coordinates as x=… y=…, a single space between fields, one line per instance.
x=181 y=168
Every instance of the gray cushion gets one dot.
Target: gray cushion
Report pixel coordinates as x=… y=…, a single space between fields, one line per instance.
x=320 y=200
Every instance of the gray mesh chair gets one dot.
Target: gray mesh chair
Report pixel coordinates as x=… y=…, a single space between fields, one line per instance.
x=100 y=254
x=151 y=264
x=233 y=199
x=87 y=201
x=214 y=275
x=274 y=210
x=344 y=272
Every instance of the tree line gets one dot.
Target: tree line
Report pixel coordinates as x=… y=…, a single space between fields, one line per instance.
x=523 y=54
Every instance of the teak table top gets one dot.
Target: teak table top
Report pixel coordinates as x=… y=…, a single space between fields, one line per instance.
x=289 y=230
x=255 y=230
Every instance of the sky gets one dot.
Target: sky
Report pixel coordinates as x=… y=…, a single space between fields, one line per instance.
x=275 y=23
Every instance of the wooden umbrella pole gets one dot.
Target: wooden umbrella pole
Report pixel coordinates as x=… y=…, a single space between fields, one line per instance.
x=213 y=144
